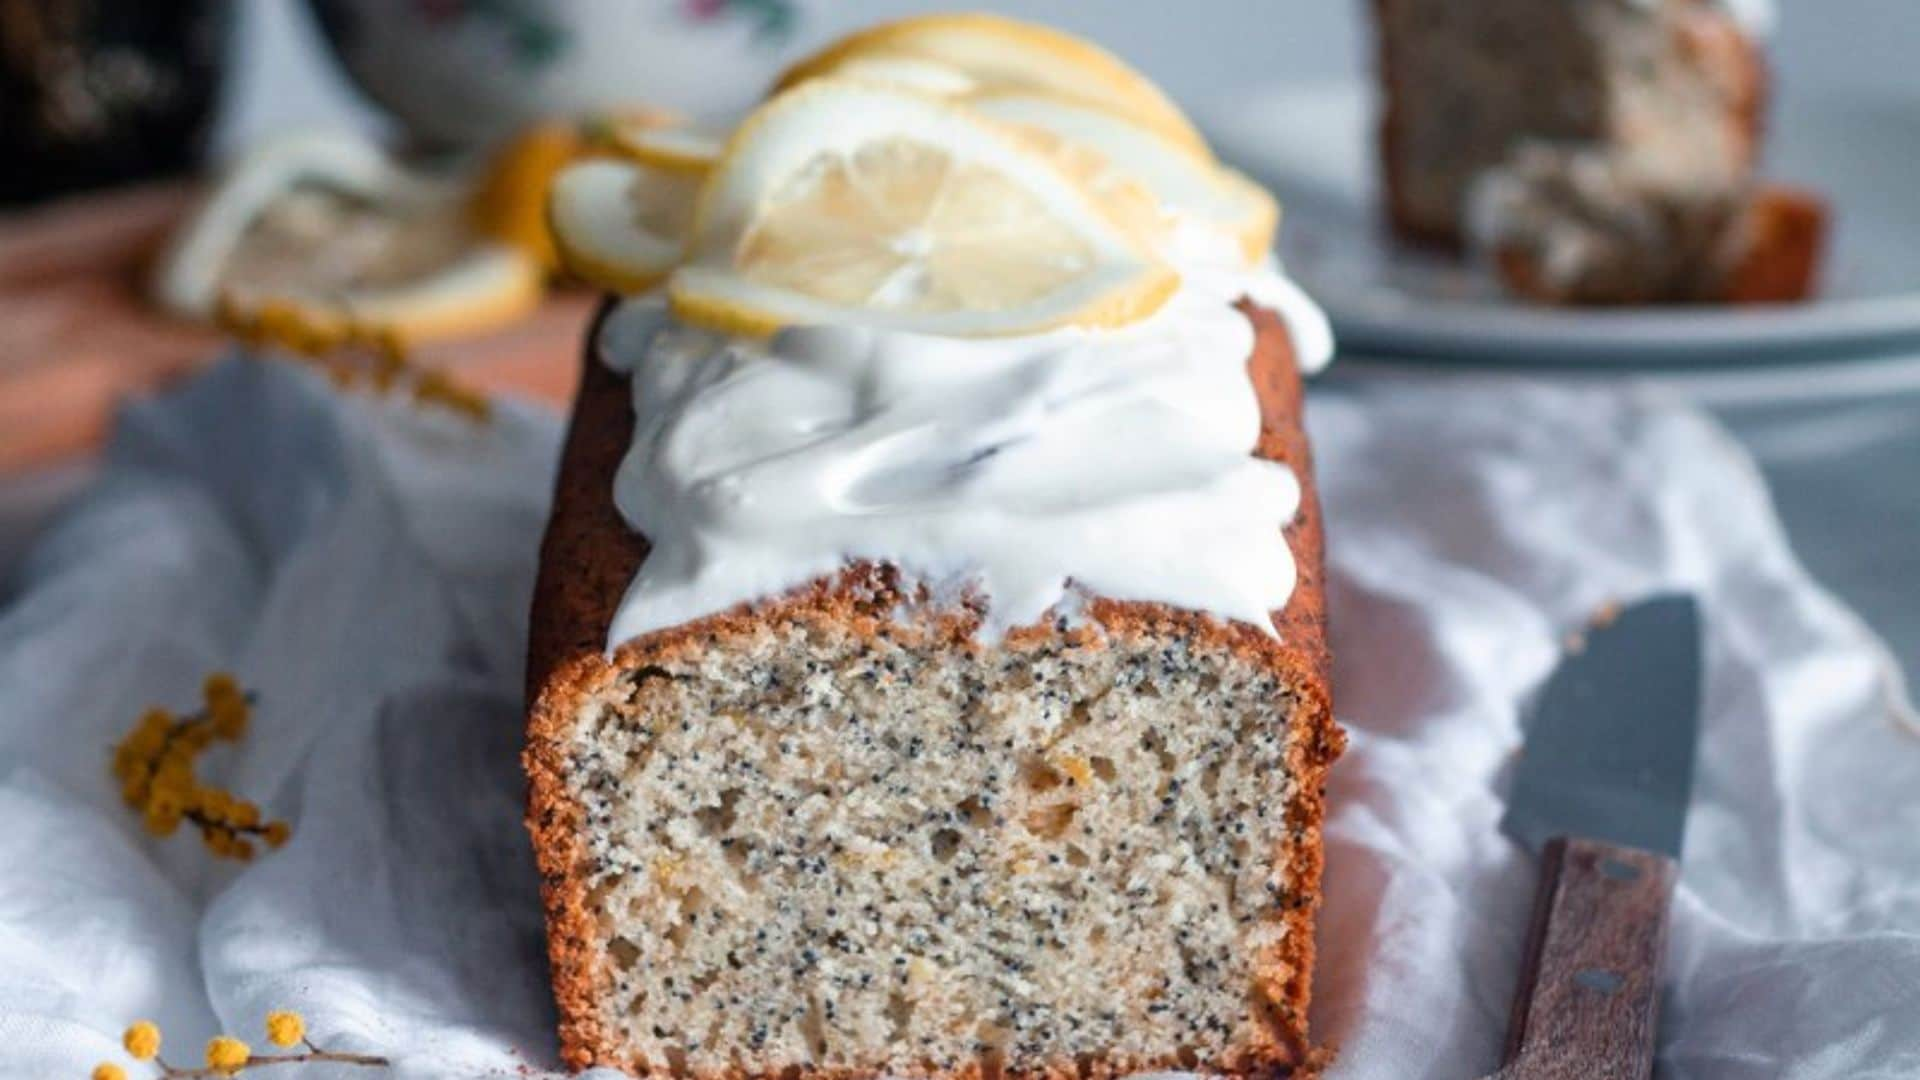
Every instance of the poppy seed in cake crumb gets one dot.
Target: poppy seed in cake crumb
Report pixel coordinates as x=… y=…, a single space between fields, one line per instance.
x=865 y=885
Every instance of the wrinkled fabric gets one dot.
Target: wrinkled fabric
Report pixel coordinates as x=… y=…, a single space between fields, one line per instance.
x=365 y=568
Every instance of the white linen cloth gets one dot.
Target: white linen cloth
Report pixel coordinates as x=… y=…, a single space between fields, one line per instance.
x=366 y=569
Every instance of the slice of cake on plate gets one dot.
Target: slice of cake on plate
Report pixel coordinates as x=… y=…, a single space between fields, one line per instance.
x=1571 y=225
x=929 y=670
x=1599 y=151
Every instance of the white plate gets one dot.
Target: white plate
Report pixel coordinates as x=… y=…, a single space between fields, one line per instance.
x=1314 y=147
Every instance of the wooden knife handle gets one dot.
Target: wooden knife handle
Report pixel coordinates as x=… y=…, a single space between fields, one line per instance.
x=1589 y=983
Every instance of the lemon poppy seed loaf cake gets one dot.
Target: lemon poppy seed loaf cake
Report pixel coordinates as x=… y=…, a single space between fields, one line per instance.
x=834 y=831
x=928 y=670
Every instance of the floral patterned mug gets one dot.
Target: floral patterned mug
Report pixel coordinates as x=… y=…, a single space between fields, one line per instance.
x=467 y=72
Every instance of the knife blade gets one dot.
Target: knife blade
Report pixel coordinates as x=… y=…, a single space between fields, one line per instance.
x=1601 y=791
x=1609 y=748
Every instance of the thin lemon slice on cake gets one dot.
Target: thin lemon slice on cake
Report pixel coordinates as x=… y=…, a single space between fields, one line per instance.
x=1186 y=184
x=908 y=72
x=844 y=201
x=1254 y=212
x=998 y=53
x=621 y=225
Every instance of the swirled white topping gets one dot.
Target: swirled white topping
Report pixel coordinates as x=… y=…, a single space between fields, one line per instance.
x=1023 y=470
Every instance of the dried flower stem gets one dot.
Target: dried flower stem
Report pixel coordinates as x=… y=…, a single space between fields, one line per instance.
x=154 y=764
x=313 y=1056
x=349 y=353
x=228 y=1056
x=265 y=830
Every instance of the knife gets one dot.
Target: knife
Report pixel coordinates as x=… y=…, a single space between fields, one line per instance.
x=1601 y=793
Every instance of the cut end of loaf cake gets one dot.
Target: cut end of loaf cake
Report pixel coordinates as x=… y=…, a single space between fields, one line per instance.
x=808 y=841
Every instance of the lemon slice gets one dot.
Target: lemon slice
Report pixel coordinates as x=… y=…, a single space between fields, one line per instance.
x=843 y=201
x=1120 y=196
x=488 y=287
x=510 y=202
x=328 y=226
x=998 y=53
x=1185 y=184
x=621 y=225
x=677 y=150
x=908 y=72
x=1255 y=213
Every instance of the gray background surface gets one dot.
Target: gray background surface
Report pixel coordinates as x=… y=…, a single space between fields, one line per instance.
x=1202 y=51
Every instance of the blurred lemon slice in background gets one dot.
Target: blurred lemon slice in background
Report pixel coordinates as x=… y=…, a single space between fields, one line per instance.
x=621 y=225
x=328 y=227
x=682 y=150
x=509 y=203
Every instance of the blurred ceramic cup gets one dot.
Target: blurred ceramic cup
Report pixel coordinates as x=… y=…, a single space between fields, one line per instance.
x=461 y=73
x=100 y=92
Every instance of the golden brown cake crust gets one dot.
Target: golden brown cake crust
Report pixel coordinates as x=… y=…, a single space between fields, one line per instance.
x=590 y=555
x=1786 y=238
